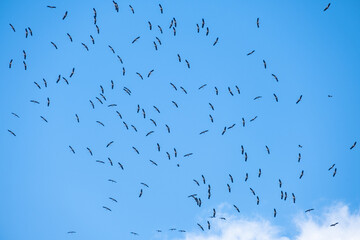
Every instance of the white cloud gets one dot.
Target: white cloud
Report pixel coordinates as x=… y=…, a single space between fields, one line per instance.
x=310 y=227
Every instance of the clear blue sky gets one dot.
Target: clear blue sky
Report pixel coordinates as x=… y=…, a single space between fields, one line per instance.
x=46 y=190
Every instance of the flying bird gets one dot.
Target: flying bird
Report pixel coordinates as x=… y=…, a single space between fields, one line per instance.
x=132 y=9
x=327 y=7
x=216 y=41
x=12 y=132
x=116 y=6
x=275 y=77
x=66 y=13
x=299 y=99
x=353 y=145
x=187 y=63
x=309 y=210
x=334 y=224
x=251 y=52
x=161 y=8
x=137 y=38
x=10 y=63
x=257 y=22
x=86 y=47
x=54 y=45
x=12 y=27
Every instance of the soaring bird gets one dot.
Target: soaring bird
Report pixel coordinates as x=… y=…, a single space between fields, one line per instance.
x=187 y=63
x=12 y=27
x=246 y=177
x=280 y=183
x=259 y=175
x=258 y=97
x=132 y=9
x=334 y=224
x=275 y=77
x=92 y=104
x=51 y=6
x=111 y=48
x=140 y=75
x=97 y=29
x=202 y=86
x=141 y=192
x=12 y=132
x=153 y=162
x=243 y=122
x=183 y=90
x=293 y=197
x=168 y=128
x=26 y=33
x=335 y=170
x=34 y=101
x=86 y=47
x=309 y=210
x=212 y=107
x=229 y=188
x=37 y=85
x=246 y=157
x=174 y=30
x=237 y=209
x=149 y=133
x=257 y=200
x=208 y=223
x=264 y=64
x=299 y=99
x=211 y=118
x=54 y=45
x=267 y=149
x=276 y=98
x=173 y=86
x=299 y=157
x=188 y=154
x=257 y=22
x=10 y=63
x=150 y=73
x=71 y=232
x=15 y=115
x=216 y=41
x=150 y=25
x=203 y=178
x=197 y=183
x=251 y=52
x=108 y=145
x=45 y=83
x=48 y=102
x=134 y=233
x=252 y=190
x=100 y=123
x=136 y=150
x=202 y=23
x=111 y=163
x=214 y=213
x=116 y=6
x=231 y=178
x=66 y=13
x=353 y=145
x=223 y=132
x=301 y=174
x=200 y=227
x=253 y=119
x=24 y=54
x=137 y=38
x=107 y=208
x=71 y=148
x=89 y=151
x=25 y=66
x=175 y=104
x=274 y=212
x=72 y=72
x=237 y=88
x=327 y=7
x=69 y=37
x=205 y=131
x=160 y=29
x=332 y=166
x=230 y=91
x=158 y=40
x=198 y=28
x=161 y=8
x=209 y=191
x=152 y=120
x=207 y=31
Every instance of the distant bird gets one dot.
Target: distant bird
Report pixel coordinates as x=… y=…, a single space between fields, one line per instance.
x=86 y=47
x=275 y=77
x=37 y=85
x=257 y=22
x=299 y=99
x=116 y=6
x=183 y=90
x=108 y=145
x=293 y=197
x=141 y=192
x=15 y=115
x=160 y=29
x=309 y=210
x=200 y=227
x=208 y=223
x=54 y=45
x=89 y=151
x=10 y=63
x=274 y=212
x=276 y=98
x=153 y=162
x=71 y=232
x=12 y=27
x=332 y=166
x=203 y=178
x=140 y=75
x=253 y=119
x=223 y=132
x=237 y=209
x=136 y=150
x=175 y=104
x=168 y=128
x=251 y=52
x=187 y=63
x=188 y=154
x=198 y=28
x=229 y=188
x=267 y=149
x=212 y=107
x=246 y=177
x=335 y=170
x=327 y=7
x=334 y=224
x=132 y=9
x=72 y=150
x=302 y=174
x=150 y=25
x=264 y=64
x=231 y=178
x=51 y=6
x=107 y=208
x=202 y=86
x=353 y=145
x=100 y=123
x=258 y=97
x=299 y=157
x=211 y=118
x=150 y=73
x=149 y=133
x=238 y=90
x=216 y=41
x=137 y=38
x=197 y=183
x=12 y=132
x=66 y=13
x=25 y=66
x=161 y=8
x=243 y=122
x=207 y=31
x=280 y=183
x=69 y=37
x=48 y=102
x=202 y=23
x=259 y=174
x=26 y=33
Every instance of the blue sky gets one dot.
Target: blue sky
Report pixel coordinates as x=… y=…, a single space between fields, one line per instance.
x=47 y=190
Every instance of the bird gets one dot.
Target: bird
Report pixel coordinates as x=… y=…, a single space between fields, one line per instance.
x=237 y=88
x=276 y=98
x=200 y=227
x=161 y=8
x=108 y=145
x=111 y=48
x=183 y=89
x=25 y=66
x=160 y=29
x=111 y=163
x=207 y=31
x=149 y=133
x=274 y=212
x=153 y=122
x=257 y=22
x=137 y=38
x=54 y=45
x=51 y=6
x=243 y=122
x=334 y=224
x=229 y=188
x=45 y=83
x=202 y=86
x=216 y=41
x=107 y=208
x=97 y=29
x=293 y=197
x=15 y=115
x=335 y=170
x=211 y=118
x=231 y=178
x=252 y=190
x=246 y=157
x=253 y=119
x=69 y=37
x=230 y=91
x=86 y=47
x=299 y=157
x=212 y=107
x=223 y=132
x=309 y=210
x=37 y=85
x=202 y=23
x=72 y=72
x=251 y=52
x=141 y=192
x=168 y=128
x=267 y=149
x=72 y=150
x=264 y=64
x=198 y=28
x=150 y=25
x=175 y=104
x=188 y=154
x=299 y=99
x=302 y=174
x=132 y=9
x=89 y=151
x=48 y=102
x=203 y=178
x=197 y=183
x=71 y=232
x=12 y=132
x=187 y=63
x=327 y=7
x=275 y=77
x=26 y=33
x=92 y=104
x=257 y=200
x=259 y=174
x=66 y=13
x=136 y=150
x=150 y=73
x=246 y=177
x=353 y=145
x=10 y=63
x=116 y=6
x=134 y=233
x=280 y=183
x=237 y=209
x=12 y=27
x=332 y=166
x=258 y=97
x=158 y=40
x=24 y=54
x=153 y=162
x=140 y=75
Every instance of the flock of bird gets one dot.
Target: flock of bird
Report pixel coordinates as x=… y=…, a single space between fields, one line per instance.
x=101 y=99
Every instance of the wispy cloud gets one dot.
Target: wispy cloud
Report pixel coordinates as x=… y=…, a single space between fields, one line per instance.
x=310 y=227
